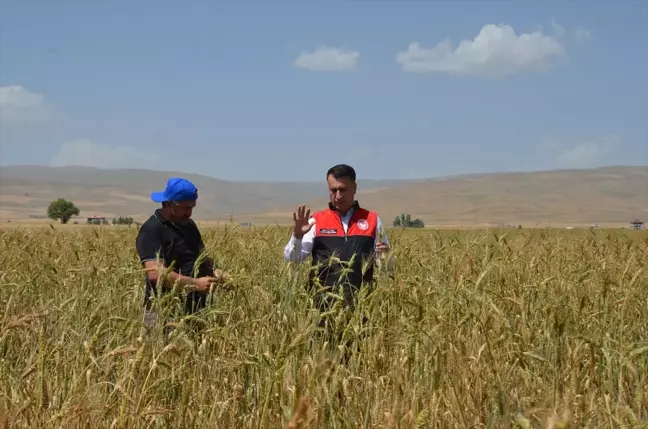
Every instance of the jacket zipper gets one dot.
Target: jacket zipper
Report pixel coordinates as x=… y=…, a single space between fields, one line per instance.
x=342 y=224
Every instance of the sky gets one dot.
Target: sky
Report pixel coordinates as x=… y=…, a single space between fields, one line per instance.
x=282 y=90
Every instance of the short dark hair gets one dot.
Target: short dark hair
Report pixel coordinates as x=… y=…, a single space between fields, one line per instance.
x=342 y=171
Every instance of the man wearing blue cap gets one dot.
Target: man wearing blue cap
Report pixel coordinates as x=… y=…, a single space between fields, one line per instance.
x=170 y=236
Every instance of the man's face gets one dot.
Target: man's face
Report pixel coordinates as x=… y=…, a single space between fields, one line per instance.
x=341 y=192
x=180 y=211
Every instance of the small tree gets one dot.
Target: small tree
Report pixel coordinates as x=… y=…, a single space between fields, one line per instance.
x=62 y=210
x=404 y=220
x=122 y=220
x=417 y=223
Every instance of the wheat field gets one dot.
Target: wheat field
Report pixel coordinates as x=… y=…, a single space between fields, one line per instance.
x=476 y=329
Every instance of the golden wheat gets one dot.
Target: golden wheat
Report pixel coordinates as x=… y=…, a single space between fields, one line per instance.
x=490 y=329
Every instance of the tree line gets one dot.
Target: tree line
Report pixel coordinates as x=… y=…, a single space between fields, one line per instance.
x=404 y=220
x=63 y=210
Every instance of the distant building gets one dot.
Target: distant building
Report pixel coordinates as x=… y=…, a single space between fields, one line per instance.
x=637 y=224
x=97 y=220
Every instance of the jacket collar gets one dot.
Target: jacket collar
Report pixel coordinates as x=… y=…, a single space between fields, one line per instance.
x=352 y=210
x=160 y=216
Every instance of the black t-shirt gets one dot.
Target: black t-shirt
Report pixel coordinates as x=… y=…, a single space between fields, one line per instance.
x=177 y=244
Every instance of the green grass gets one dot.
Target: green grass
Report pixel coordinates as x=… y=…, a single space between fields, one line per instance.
x=481 y=329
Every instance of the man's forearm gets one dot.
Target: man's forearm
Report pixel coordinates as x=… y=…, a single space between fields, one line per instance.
x=182 y=280
x=294 y=250
x=169 y=278
x=160 y=275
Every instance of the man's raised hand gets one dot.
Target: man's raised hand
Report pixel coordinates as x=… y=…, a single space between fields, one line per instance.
x=300 y=218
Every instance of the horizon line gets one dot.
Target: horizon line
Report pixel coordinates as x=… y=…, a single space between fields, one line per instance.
x=413 y=179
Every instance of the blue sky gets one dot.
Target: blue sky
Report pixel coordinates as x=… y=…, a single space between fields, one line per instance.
x=217 y=88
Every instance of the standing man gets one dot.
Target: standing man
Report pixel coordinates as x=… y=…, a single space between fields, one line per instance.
x=344 y=230
x=170 y=237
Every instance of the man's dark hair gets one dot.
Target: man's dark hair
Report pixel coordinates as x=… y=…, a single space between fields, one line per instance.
x=341 y=171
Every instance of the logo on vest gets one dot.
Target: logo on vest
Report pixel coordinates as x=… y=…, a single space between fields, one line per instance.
x=328 y=231
x=363 y=224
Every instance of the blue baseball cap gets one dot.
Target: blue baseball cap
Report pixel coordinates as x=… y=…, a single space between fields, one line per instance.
x=177 y=189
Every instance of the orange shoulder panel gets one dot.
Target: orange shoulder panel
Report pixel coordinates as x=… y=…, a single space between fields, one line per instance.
x=328 y=224
x=364 y=222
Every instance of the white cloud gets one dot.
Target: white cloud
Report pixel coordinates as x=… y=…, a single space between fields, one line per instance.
x=19 y=96
x=496 y=51
x=87 y=153
x=588 y=153
x=18 y=105
x=327 y=58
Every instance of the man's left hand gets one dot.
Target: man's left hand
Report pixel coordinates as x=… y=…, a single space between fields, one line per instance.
x=382 y=248
x=221 y=275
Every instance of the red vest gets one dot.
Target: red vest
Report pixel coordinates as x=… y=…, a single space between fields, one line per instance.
x=333 y=249
x=363 y=223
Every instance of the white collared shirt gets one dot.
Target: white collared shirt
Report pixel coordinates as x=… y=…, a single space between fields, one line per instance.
x=297 y=250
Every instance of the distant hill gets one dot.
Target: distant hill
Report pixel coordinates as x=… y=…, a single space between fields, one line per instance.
x=604 y=195
x=25 y=191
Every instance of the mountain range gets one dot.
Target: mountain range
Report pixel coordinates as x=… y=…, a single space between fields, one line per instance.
x=606 y=195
